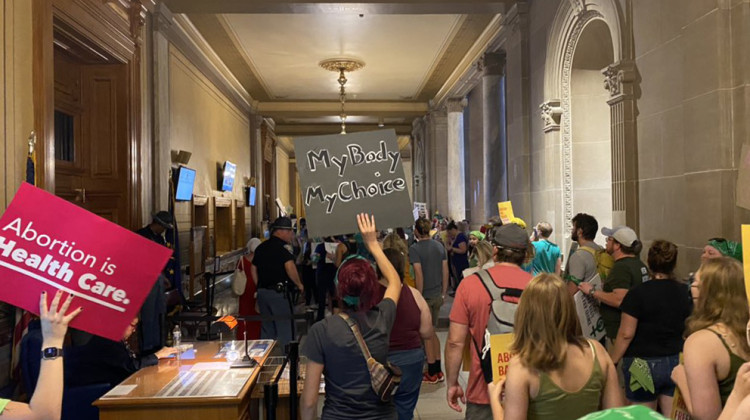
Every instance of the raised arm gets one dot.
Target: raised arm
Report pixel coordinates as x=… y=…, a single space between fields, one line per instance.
x=46 y=403
x=370 y=237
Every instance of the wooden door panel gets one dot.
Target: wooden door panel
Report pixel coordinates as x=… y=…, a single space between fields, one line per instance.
x=103 y=126
x=97 y=179
x=106 y=102
x=106 y=205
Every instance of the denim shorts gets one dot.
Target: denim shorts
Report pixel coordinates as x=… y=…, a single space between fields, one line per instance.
x=661 y=371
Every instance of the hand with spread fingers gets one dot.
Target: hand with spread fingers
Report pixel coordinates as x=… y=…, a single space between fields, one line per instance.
x=46 y=403
x=55 y=322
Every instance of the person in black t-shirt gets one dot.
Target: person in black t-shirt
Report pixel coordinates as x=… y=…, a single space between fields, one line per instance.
x=651 y=328
x=274 y=271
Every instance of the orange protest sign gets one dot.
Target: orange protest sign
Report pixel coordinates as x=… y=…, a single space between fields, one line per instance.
x=746 y=257
x=500 y=352
x=505 y=209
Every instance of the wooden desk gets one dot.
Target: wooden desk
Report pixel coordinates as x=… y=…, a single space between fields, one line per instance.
x=270 y=370
x=147 y=401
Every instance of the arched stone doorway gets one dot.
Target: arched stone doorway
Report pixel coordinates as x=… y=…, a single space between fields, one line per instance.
x=587 y=48
x=589 y=123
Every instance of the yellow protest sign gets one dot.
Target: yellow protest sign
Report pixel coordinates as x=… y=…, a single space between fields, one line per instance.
x=506 y=211
x=500 y=352
x=746 y=257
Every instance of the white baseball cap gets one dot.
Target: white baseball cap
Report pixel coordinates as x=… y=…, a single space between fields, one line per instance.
x=622 y=234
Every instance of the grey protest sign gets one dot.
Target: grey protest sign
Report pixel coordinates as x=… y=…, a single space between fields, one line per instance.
x=342 y=175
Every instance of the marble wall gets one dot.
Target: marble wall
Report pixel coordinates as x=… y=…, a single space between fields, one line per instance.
x=204 y=122
x=694 y=64
x=691 y=90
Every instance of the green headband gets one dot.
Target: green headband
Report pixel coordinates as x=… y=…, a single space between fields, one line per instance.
x=728 y=248
x=479 y=235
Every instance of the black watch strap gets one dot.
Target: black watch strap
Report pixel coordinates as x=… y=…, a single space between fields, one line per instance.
x=51 y=353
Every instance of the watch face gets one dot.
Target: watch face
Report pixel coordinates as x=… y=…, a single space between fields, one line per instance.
x=51 y=353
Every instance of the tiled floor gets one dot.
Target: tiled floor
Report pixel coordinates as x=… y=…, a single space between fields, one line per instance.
x=432 y=404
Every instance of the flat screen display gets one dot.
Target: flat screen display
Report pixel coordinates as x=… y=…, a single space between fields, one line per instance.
x=227 y=182
x=251 y=196
x=185 y=183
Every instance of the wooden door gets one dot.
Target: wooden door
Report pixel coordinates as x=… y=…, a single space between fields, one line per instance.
x=91 y=137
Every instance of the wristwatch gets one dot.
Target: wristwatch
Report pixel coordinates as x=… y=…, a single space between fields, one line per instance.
x=591 y=292
x=51 y=353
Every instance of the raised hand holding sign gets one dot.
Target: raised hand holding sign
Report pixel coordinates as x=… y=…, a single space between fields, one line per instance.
x=48 y=244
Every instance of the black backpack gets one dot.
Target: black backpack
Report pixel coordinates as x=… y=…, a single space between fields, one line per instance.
x=500 y=321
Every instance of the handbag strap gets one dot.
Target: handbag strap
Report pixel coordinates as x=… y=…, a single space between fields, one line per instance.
x=241 y=264
x=358 y=335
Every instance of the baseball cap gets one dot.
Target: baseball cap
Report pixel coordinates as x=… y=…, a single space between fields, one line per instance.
x=510 y=236
x=281 y=223
x=164 y=219
x=622 y=234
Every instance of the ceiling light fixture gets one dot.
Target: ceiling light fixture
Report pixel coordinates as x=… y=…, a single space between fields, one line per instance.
x=341 y=66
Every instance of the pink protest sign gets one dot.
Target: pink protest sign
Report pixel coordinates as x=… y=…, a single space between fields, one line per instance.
x=47 y=243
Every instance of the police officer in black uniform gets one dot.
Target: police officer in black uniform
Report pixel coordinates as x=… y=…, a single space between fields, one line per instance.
x=151 y=334
x=275 y=272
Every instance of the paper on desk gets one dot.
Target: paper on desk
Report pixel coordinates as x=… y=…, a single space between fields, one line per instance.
x=210 y=366
x=186 y=355
x=121 y=390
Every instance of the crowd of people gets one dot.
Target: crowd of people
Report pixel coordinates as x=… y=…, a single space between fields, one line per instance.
x=393 y=285
x=379 y=295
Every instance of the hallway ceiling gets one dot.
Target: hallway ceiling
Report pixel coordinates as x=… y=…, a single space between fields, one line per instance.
x=414 y=51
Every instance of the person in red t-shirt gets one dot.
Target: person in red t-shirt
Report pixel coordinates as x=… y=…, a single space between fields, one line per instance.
x=469 y=315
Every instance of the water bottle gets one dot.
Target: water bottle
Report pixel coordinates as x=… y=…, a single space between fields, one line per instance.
x=176 y=336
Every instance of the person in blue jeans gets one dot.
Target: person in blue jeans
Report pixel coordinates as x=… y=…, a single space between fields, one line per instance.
x=651 y=329
x=413 y=324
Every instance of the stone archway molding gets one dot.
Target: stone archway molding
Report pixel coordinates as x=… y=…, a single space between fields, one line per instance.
x=618 y=78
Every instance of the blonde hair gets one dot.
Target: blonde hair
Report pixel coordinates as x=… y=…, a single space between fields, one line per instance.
x=545 y=324
x=722 y=299
x=392 y=240
x=483 y=252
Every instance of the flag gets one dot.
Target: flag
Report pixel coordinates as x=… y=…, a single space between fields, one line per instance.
x=23 y=318
x=174 y=272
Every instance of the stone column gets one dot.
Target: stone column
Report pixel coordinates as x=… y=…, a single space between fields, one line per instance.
x=494 y=147
x=454 y=150
x=256 y=165
x=437 y=169
x=418 y=160
x=619 y=80
x=162 y=160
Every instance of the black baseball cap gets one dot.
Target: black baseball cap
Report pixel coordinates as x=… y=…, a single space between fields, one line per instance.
x=165 y=219
x=282 y=223
x=510 y=236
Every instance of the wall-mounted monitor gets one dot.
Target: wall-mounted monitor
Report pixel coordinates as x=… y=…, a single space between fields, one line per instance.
x=227 y=176
x=185 y=183
x=251 y=192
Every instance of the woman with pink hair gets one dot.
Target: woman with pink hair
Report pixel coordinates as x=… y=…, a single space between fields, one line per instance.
x=331 y=347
